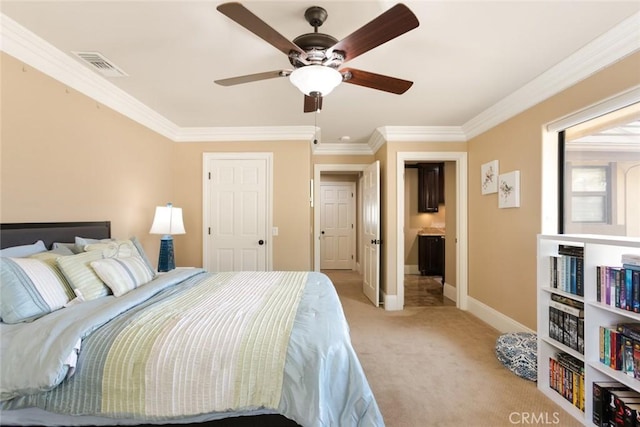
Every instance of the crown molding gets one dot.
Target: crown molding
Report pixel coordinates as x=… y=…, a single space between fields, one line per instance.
x=27 y=47
x=415 y=134
x=612 y=46
x=620 y=41
x=422 y=133
x=36 y=52
x=376 y=140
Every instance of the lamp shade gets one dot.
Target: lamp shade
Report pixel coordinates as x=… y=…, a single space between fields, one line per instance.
x=315 y=78
x=167 y=220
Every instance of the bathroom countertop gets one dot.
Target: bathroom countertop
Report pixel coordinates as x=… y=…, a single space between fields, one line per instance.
x=431 y=231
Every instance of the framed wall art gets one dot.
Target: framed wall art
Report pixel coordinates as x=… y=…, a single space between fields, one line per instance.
x=509 y=190
x=489 y=178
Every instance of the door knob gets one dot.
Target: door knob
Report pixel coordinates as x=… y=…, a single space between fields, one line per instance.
x=322 y=232
x=261 y=242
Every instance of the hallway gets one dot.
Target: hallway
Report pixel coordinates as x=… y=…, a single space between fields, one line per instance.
x=424 y=291
x=419 y=291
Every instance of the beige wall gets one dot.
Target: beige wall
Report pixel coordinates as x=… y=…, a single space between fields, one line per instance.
x=291 y=209
x=502 y=242
x=343 y=159
x=67 y=158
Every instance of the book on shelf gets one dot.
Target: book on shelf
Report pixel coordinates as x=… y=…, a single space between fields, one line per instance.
x=617 y=405
x=617 y=347
x=632 y=414
x=567 y=269
x=601 y=396
x=627 y=357
x=631 y=259
x=566 y=377
x=566 y=322
x=571 y=250
x=619 y=286
x=636 y=359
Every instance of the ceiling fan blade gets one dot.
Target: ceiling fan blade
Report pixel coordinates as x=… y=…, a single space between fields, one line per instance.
x=391 y=24
x=312 y=103
x=252 y=77
x=257 y=26
x=375 y=81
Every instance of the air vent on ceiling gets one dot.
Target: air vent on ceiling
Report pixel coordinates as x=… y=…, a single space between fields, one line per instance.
x=101 y=64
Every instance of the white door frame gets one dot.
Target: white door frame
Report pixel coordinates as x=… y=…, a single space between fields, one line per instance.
x=206 y=200
x=317 y=171
x=460 y=158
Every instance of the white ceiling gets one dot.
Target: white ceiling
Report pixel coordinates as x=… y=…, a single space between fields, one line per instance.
x=465 y=57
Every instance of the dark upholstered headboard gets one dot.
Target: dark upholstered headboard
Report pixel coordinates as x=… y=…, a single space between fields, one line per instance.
x=15 y=234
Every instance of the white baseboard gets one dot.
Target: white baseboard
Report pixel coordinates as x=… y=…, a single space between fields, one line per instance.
x=450 y=292
x=494 y=318
x=391 y=302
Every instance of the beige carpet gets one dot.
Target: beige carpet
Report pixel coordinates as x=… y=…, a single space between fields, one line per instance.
x=436 y=366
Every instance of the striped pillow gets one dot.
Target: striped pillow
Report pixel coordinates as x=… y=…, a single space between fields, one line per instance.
x=123 y=274
x=30 y=288
x=77 y=269
x=51 y=257
x=120 y=249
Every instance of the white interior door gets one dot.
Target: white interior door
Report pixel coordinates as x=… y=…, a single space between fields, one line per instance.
x=236 y=226
x=337 y=231
x=371 y=232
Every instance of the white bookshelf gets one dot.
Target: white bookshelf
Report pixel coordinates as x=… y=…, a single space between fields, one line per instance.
x=598 y=250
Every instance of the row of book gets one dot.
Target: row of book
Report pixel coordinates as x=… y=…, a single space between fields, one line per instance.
x=566 y=322
x=566 y=376
x=615 y=405
x=620 y=348
x=567 y=269
x=620 y=286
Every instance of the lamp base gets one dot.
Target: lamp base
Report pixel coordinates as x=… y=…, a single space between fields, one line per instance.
x=166 y=261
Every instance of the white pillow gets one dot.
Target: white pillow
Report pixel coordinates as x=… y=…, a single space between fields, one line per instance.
x=115 y=248
x=122 y=275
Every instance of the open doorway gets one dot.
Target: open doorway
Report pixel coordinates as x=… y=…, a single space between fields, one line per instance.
x=429 y=276
x=456 y=238
x=367 y=222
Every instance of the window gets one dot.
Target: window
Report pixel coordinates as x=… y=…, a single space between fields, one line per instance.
x=599 y=183
x=590 y=199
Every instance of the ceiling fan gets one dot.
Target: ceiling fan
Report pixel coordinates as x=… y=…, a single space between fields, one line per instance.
x=316 y=57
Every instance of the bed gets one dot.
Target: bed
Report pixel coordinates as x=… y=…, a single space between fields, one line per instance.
x=183 y=347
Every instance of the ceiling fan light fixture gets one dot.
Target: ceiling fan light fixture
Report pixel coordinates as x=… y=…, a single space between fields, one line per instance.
x=315 y=78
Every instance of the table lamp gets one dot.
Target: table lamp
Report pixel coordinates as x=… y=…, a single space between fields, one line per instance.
x=167 y=221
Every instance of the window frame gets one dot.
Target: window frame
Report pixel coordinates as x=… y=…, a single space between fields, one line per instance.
x=606 y=194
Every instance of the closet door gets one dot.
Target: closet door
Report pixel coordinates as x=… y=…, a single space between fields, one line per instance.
x=237 y=224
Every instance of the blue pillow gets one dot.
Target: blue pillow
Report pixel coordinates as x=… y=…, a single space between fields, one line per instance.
x=23 y=250
x=30 y=289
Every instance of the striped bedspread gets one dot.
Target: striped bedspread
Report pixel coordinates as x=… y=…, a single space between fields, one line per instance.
x=191 y=346
x=163 y=359
x=243 y=319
